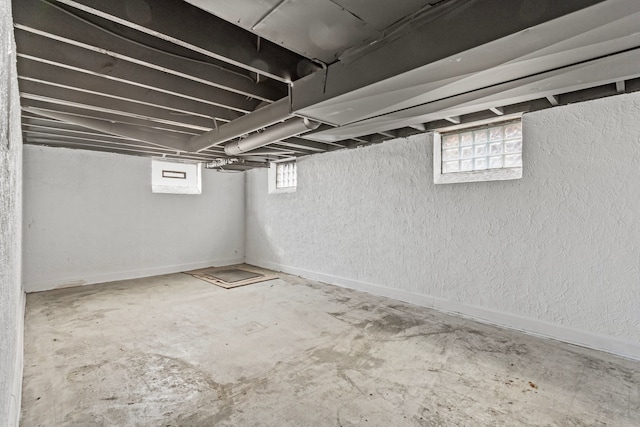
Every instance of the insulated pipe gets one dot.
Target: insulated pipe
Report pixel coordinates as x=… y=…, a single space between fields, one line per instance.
x=275 y=133
x=258 y=119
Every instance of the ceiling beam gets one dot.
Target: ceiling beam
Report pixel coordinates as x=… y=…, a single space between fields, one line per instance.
x=603 y=71
x=473 y=22
x=85 y=134
x=45 y=49
x=41 y=16
x=92 y=101
x=29 y=69
x=190 y=27
x=63 y=136
x=295 y=142
x=553 y=100
x=155 y=138
x=112 y=117
x=147 y=152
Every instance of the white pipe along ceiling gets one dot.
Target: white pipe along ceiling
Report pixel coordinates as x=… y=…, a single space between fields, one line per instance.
x=278 y=79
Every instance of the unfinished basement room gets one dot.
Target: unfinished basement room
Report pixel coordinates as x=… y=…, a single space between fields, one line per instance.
x=320 y=213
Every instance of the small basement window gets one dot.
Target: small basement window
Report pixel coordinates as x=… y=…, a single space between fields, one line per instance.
x=490 y=152
x=175 y=177
x=283 y=177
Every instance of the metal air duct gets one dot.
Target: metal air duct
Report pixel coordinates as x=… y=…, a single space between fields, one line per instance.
x=272 y=134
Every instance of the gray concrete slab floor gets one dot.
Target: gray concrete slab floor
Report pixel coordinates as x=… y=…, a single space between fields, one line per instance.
x=173 y=350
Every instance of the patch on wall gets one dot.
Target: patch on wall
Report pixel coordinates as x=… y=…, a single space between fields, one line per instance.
x=231 y=276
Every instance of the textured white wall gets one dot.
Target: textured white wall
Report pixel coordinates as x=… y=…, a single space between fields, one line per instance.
x=11 y=294
x=91 y=217
x=555 y=253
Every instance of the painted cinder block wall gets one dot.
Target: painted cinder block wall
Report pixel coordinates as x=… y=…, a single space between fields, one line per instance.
x=90 y=217
x=555 y=253
x=11 y=293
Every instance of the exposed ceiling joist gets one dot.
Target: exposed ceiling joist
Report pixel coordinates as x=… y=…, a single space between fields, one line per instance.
x=582 y=76
x=595 y=33
x=214 y=37
x=72 y=97
x=125 y=75
x=161 y=139
x=48 y=19
x=455 y=27
x=553 y=100
x=89 y=83
x=43 y=49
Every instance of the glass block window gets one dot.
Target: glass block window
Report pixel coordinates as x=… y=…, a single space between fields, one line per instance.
x=286 y=175
x=492 y=147
x=487 y=151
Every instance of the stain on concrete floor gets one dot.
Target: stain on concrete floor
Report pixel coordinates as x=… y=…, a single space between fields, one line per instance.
x=175 y=351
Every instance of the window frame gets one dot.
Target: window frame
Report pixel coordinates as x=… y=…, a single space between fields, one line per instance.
x=498 y=174
x=169 y=176
x=273 y=175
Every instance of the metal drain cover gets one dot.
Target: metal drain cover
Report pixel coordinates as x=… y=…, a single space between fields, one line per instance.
x=231 y=276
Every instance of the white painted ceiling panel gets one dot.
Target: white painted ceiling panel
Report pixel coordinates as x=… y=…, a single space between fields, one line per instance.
x=315 y=29
x=381 y=14
x=245 y=13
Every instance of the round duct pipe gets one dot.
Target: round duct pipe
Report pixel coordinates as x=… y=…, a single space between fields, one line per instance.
x=272 y=134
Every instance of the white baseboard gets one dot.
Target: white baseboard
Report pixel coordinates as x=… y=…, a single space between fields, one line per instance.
x=92 y=279
x=617 y=346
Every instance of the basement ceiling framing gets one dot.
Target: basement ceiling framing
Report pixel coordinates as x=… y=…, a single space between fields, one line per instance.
x=177 y=79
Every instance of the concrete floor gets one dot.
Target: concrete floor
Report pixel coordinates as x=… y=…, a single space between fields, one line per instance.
x=176 y=351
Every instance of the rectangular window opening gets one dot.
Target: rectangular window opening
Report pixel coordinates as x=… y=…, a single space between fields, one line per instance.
x=174 y=174
x=175 y=177
x=488 y=152
x=283 y=177
x=286 y=175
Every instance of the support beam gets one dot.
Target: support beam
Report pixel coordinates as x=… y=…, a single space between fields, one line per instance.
x=620 y=86
x=75 y=133
x=424 y=45
x=91 y=83
x=148 y=152
x=156 y=138
x=498 y=111
x=96 y=141
x=602 y=71
x=388 y=134
x=304 y=144
x=113 y=117
x=93 y=101
x=40 y=48
x=553 y=100
x=205 y=33
x=453 y=119
x=60 y=24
